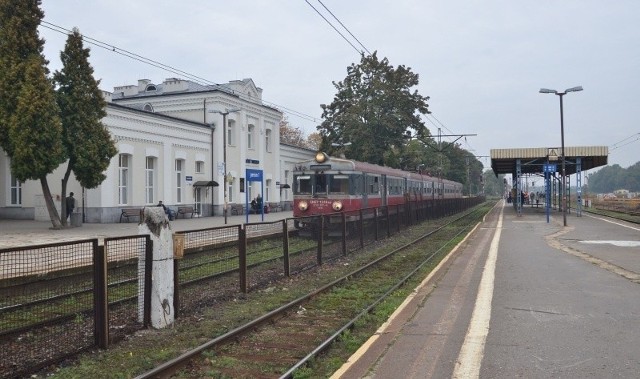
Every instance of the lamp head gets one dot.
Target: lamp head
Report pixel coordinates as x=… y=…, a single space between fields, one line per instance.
x=574 y=89
x=545 y=90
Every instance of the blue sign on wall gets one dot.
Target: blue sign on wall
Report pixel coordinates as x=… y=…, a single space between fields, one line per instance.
x=550 y=168
x=254 y=175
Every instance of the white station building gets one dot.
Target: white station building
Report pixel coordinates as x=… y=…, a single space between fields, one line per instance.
x=172 y=147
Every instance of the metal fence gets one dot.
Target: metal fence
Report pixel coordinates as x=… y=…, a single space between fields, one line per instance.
x=59 y=299
x=46 y=303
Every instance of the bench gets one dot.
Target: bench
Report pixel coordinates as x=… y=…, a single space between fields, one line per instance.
x=237 y=209
x=275 y=207
x=184 y=210
x=130 y=212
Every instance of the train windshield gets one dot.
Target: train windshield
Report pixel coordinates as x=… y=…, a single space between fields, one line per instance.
x=321 y=184
x=302 y=184
x=339 y=184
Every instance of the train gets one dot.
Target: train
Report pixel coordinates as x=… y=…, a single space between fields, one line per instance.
x=326 y=185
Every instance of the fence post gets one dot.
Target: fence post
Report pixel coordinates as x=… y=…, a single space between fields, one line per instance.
x=242 y=258
x=285 y=247
x=398 y=217
x=344 y=233
x=100 y=296
x=387 y=213
x=375 y=224
x=361 y=229
x=176 y=286
x=320 y=233
x=156 y=224
x=148 y=273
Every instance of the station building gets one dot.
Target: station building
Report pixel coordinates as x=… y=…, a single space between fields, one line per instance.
x=171 y=148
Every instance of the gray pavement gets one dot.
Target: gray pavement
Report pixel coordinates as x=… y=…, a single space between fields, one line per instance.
x=564 y=304
x=15 y=233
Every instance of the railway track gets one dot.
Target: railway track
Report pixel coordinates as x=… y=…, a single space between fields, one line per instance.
x=285 y=340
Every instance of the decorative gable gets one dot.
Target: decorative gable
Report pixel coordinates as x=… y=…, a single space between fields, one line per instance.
x=248 y=88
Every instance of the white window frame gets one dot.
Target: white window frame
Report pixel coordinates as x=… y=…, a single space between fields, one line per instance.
x=231 y=127
x=15 y=191
x=267 y=140
x=124 y=178
x=250 y=130
x=150 y=180
x=179 y=166
x=199 y=167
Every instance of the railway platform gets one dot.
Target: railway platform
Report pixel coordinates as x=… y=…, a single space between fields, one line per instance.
x=27 y=232
x=520 y=297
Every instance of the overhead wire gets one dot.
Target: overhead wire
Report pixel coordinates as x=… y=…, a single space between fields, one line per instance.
x=334 y=28
x=617 y=145
x=195 y=78
x=343 y=25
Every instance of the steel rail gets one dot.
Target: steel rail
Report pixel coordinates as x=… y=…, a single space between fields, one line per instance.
x=164 y=370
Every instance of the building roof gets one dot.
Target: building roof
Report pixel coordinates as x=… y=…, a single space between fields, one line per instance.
x=503 y=161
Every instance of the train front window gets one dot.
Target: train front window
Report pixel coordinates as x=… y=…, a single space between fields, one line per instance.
x=339 y=184
x=303 y=184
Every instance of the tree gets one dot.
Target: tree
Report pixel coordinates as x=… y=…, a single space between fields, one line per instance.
x=373 y=109
x=314 y=140
x=291 y=135
x=493 y=185
x=87 y=142
x=30 y=126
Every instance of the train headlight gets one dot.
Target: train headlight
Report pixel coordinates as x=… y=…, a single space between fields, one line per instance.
x=321 y=157
x=303 y=205
x=337 y=206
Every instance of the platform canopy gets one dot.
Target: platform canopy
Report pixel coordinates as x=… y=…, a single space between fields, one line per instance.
x=503 y=161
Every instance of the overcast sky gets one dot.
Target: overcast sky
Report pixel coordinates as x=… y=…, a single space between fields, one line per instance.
x=482 y=63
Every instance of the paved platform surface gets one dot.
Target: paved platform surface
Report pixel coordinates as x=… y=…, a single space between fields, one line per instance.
x=520 y=298
x=24 y=232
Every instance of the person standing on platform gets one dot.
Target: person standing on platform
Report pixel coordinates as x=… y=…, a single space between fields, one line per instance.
x=71 y=204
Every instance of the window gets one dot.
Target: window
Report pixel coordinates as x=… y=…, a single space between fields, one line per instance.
x=16 y=191
x=199 y=167
x=149 y=180
x=250 y=131
x=267 y=141
x=231 y=127
x=179 y=166
x=266 y=190
x=339 y=184
x=124 y=162
x=302 y=184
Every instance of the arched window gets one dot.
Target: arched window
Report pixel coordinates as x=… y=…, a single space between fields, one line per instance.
x=148 y=107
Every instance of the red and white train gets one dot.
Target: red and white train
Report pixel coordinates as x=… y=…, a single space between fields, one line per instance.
x=327 y=185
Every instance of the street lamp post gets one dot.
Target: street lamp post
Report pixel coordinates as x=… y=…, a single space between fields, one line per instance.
x=563 y=188
x=224 y=156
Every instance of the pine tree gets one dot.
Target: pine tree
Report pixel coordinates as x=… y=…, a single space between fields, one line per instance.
x=87 y=142
x=30 y=126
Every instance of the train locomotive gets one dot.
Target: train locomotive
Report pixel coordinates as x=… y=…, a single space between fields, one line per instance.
x=326 y=185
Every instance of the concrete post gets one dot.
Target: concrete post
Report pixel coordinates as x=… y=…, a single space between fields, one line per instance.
x=155 y=223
